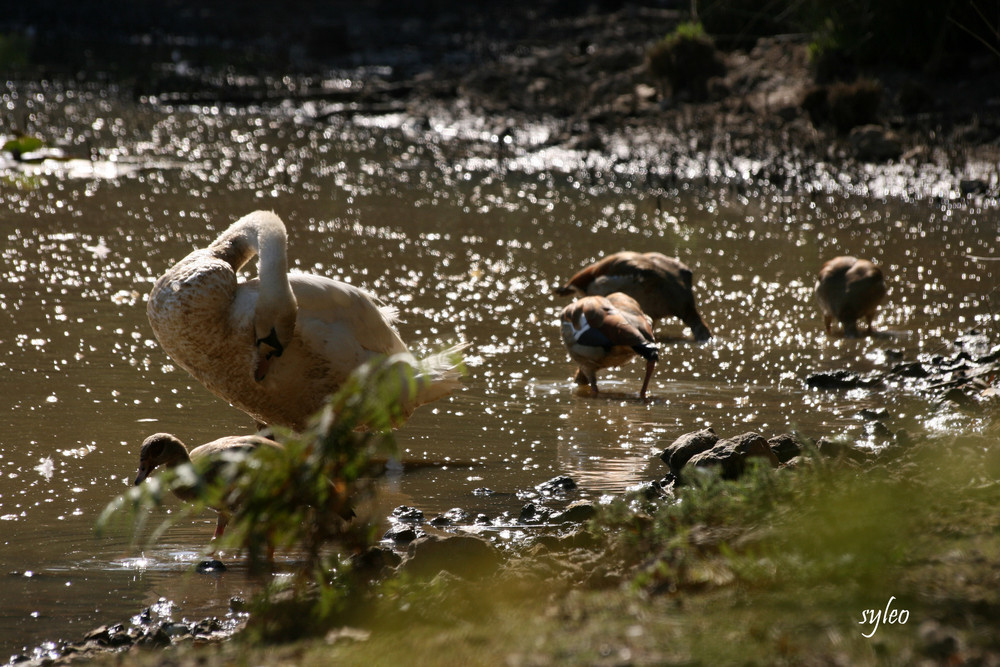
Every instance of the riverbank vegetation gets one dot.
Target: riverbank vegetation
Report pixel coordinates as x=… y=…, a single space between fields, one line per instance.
x=829 y=561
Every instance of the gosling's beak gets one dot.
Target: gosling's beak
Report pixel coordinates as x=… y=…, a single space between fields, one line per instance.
x=141 y=475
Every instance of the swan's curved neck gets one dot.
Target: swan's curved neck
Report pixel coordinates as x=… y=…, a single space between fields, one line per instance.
x=260 y=233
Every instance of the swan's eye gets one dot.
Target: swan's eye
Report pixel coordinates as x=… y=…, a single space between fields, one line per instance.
x=272 y=340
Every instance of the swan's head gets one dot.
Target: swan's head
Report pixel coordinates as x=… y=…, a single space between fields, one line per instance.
x=272 y=334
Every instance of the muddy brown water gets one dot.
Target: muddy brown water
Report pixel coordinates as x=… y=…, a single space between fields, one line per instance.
x=468 y=242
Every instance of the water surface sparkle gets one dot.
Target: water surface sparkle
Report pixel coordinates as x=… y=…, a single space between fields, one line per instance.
x=468 y=242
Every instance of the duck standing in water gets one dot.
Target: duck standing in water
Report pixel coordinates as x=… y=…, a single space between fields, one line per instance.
x=602 y=332
x=210 y=459
x=661 y=285
x=848 y=289
x=276 y=346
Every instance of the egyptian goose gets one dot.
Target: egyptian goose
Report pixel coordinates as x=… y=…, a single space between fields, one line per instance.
x=602 y=332
x=276 y=346
x=210 y=459
x=849 y=288
x=661 y=285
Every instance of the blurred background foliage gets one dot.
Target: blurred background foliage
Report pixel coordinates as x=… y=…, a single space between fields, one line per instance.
x=122 y=36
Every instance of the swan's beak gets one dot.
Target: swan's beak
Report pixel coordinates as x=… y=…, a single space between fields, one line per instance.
x=263 y=363
x=141 y=476
x=272 y=341
x=267 y=347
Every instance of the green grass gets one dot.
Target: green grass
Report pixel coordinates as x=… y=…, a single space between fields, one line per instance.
x=776 y=568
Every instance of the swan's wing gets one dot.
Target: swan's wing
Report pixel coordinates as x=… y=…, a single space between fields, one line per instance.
x=327 y=306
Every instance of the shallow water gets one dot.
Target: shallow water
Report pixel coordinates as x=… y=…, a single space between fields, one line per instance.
x=467 y=240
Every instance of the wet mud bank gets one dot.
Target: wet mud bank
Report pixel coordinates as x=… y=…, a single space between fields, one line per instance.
x=545 y=76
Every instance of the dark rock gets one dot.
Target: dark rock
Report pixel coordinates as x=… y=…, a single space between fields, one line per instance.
x=844 y=105
x=532 y=513
x=237 y=604
x=879 y=430
x=816 y=104
x=404 y=514
x=871 y=414
x=992 y=355
x=579 y=512
x=835 y=449
x=841 y=380
x=101 y=635
x=731 y=454
x=973 y=186
x=482 y=491
x=590 y=141
x=455 y=515
x=940 y=643
x=959 y=397
x=575 y=539
x=873 y=143
x=210 y=566
x=462 y=556
x=912 y=369
x=402 y=533
x=785 y=447
x=668 y=481
x=556 y=486
x=154 y=638
x=176 y=629
x=120 y=637
x=797 y=462
x=687 y=63
x=376 y=560
x=207 y=626
x=680 y=451
x=649 y=490
x=482 y=520
x=109 y=635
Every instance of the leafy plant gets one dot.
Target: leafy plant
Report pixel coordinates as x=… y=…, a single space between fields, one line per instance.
x=686 y=58
x=14 y=50
x=299 y=496
x=21 y=145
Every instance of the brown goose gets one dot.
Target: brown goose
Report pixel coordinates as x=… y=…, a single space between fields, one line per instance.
x=602 y=332
x=848 y=289
x=661 y=285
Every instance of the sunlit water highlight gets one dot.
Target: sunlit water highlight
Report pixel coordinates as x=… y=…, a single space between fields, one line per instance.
x=467 y=238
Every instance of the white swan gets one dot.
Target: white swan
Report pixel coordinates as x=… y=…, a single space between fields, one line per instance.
x=276 y=346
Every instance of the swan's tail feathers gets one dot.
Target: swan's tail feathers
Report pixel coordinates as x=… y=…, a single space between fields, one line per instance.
x=439 y=375
x=384 y=391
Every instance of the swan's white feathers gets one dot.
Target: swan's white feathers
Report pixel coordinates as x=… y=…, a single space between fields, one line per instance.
x=205 y=320
x=324 y=303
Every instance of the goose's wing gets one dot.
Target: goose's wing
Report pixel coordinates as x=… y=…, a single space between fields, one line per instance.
x=583 y=278
x=596 y=322
x=333 y=309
